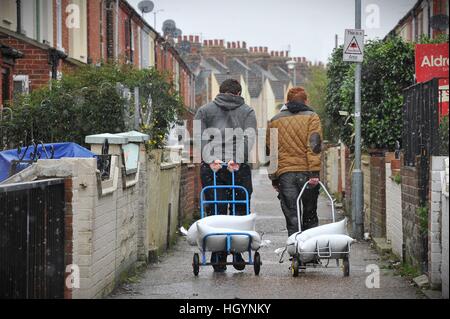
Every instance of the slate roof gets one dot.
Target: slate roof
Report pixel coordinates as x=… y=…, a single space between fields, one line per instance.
x=280 y=74
x=216 y=64
x=278 y=88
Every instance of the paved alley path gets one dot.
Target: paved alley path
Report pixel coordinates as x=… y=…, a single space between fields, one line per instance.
x=172 y=277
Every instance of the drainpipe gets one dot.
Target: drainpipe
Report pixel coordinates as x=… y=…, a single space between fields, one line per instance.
x=19 y=16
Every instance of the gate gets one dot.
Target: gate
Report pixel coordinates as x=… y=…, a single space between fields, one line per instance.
x=32 y=264
x=421 y=129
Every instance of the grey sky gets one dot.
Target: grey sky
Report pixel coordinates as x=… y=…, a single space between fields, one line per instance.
x=308 y=26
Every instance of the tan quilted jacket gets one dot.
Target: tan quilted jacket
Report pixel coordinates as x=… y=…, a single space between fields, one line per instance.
x=299 y=142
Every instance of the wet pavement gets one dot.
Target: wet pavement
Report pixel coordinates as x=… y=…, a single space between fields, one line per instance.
x=172 y=277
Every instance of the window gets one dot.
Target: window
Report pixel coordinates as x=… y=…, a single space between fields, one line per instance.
x=8 y=14
x=129 y=40
x=20 y=85
x=44 y=27
x=78 y=30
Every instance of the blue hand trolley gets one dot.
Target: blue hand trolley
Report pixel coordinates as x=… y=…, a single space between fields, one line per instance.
x=256 y=260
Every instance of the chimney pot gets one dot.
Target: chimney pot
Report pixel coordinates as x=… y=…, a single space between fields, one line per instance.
x=244 y=45
x=221 y=42
x=282 y=53
x=216 y=42
x=233 y=45
x=261 y=49
x=197 y=39
x=191 y=38
x=205 y=43
x=228 y=45
x=210 y=43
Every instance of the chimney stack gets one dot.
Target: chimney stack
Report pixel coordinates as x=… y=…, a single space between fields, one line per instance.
x=216 y=42
x=210 y=43
x=233 y=45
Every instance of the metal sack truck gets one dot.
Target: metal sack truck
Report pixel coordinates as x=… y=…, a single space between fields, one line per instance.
x=229 y=236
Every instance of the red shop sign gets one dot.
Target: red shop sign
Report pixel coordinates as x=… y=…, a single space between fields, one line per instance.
x=432 y=61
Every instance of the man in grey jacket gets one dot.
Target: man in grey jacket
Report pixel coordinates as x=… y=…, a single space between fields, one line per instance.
x=228 y=133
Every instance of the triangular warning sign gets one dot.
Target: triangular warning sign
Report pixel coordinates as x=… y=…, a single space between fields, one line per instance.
x=353 y=47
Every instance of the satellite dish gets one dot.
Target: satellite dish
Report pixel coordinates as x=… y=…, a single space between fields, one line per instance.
x=169 y=27
x=146 y=6
x=177 y=33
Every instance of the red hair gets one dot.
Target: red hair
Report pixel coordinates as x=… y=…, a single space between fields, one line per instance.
x=297 y=94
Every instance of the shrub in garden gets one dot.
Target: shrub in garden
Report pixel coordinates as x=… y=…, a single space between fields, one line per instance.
x=88 y=101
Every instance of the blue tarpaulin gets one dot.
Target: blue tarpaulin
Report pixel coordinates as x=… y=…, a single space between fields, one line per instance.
x=62 y=150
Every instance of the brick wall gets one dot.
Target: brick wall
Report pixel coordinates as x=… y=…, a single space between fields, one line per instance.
x=445 y=233
x=94 y=10
x=377 y=196
x=435 y=227
x=189 y=191
x=415 y=243
x=394 y=231
x=35 y=62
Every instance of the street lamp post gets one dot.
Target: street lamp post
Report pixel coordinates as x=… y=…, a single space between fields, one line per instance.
x=292 y=66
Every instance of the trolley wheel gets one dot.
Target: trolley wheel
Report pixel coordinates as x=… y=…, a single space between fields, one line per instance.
x=257 y=263
x=196 y=264
x=346 y=266
x=295 y=265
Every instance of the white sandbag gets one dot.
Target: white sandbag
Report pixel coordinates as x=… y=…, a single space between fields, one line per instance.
x=339 y=244
x=339 y=228
x=247 y=222
x=239 y=243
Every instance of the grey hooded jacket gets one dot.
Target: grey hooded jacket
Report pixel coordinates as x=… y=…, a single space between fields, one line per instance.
x=219 y=137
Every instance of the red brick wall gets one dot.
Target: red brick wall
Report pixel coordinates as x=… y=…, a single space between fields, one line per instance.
x=415 y=243
x=34 y=63
x=189 y=191
x=377 y=196
x=93 y=25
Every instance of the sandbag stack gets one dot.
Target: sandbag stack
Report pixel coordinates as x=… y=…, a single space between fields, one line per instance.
x=330 y=238
x=242 y=226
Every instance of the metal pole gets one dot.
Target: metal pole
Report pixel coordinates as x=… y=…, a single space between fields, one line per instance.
x=357 y=177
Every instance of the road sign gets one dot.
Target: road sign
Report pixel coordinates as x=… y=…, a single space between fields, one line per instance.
x=354 y=45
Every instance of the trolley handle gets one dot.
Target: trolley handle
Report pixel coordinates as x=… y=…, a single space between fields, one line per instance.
x=300 y=214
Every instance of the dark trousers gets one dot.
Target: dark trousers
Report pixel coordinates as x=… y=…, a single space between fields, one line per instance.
x=290 y=185
x=243 y=177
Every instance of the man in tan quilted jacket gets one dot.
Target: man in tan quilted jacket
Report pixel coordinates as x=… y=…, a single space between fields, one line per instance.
x=298 y=157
